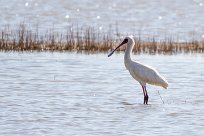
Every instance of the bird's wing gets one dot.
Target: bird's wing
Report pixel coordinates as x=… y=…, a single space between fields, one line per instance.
x=148 y=74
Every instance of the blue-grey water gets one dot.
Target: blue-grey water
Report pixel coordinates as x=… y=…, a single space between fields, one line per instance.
x=68 y=94
x=181 y=19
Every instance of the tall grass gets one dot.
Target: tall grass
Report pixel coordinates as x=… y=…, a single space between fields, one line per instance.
x=87 y=40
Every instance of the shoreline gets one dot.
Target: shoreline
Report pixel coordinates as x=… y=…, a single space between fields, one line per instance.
x=88 y=40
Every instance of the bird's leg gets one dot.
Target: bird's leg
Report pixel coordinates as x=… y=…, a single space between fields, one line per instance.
x=144 y=92
x=146 y=95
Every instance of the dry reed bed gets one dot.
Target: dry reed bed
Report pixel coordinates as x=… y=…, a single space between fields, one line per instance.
x=87 y=40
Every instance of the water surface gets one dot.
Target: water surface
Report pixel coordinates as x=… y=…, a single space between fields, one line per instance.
x=180 y=18
x=76 y=94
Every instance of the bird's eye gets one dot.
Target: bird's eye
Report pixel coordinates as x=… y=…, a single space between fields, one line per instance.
x=125 y=40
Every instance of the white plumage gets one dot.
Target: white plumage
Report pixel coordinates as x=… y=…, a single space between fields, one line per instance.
x=146 y=74
x=140 y=72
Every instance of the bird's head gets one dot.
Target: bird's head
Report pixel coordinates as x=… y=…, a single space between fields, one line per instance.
x=129 y=40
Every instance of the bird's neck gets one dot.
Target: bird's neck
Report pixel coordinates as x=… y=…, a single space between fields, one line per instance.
x=128 y=53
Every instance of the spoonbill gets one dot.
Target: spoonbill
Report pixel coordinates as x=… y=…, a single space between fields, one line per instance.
x=142 y=73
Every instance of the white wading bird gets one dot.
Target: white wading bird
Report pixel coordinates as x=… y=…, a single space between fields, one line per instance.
x=140 y=72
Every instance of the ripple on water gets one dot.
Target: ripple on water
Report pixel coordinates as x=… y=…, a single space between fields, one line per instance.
x=85 y=97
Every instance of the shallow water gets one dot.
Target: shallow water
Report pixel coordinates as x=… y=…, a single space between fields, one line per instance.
x=182 y=19
x=76 y=94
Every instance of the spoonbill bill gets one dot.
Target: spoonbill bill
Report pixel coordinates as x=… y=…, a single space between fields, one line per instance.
x=142 y=73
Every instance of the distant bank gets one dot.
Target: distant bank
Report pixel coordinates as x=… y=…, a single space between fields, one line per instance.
x=89 y=40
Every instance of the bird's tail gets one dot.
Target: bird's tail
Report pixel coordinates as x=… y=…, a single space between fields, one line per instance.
x=165 y=83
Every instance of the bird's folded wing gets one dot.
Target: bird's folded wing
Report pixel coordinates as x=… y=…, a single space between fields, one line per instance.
x=149 y=75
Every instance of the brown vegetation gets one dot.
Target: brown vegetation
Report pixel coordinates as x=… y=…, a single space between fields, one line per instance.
x=88 y=40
